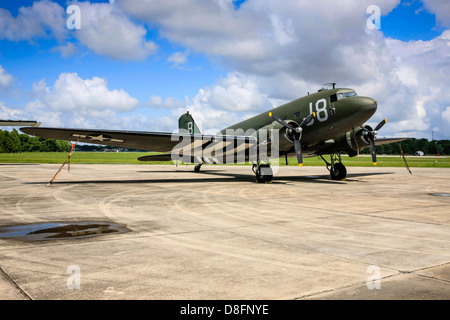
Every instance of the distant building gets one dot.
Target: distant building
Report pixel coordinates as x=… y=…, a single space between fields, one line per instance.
x=113 y=150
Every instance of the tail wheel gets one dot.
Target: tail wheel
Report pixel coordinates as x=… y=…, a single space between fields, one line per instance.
x=197 y=167
x=338 y=171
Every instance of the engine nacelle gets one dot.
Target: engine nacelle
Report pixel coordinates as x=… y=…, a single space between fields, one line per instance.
x=285 y=137
x=350 y=141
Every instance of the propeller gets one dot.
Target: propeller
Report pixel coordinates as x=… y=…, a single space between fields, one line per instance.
x=371 y=137
x=297 y=133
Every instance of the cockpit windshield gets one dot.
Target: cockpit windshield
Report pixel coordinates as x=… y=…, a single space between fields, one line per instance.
x=347 y=94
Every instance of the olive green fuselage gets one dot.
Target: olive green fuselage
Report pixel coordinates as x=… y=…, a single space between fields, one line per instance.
x=337 y=111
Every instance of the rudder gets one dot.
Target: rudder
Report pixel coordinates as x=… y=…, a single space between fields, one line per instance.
x=187 y=124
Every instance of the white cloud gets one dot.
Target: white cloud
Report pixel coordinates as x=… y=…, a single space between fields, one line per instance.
x=76 y=102
x=236 y=92
x=5 y=78
x=208 y=26
x=228 y=101
x=283 y=32
x=446 y=114
x=178 y=58
x=72 y=93
x=37 y=110
x=34 y=110
x=108 y=31
x=210 y=120
x=105 y=29
x=222 y=104
x=441 y=8
x=66 y=50
x=417 y=99
x=169 y=103
x=42 y=19
x=8 y=113
x=308 y=40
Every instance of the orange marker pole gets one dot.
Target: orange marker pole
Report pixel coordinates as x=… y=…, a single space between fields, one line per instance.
x=72 y=151
x=57 y=173
x=404 y=159
x=67 y=160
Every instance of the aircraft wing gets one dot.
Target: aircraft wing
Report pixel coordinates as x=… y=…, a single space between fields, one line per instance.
x=381 y=141
x=184 y=146
x=332 y=145
x=149 y=141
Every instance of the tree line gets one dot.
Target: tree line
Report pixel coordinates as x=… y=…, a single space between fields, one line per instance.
x=411 y=146
x=13 y=141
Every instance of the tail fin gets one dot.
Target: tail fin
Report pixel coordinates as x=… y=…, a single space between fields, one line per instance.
x=187 y=124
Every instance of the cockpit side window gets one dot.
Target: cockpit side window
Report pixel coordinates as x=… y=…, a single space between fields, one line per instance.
x=347 y=94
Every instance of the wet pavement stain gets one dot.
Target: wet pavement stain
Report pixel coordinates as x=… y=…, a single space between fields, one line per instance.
x=60 y=230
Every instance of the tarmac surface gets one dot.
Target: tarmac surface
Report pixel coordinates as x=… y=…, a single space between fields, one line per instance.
x=380 y=234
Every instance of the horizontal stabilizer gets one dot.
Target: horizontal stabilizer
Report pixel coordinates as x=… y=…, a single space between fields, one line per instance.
x=19 y=123
x=157 y=157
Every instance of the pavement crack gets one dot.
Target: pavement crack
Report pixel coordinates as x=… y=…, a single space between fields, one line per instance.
x=15 y=284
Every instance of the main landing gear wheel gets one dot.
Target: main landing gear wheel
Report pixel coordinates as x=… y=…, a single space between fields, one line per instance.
x=338 y=171
x=263 y=172
x=197 y=168
x=336 y=168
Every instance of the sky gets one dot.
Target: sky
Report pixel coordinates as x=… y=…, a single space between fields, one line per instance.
x=140 y=64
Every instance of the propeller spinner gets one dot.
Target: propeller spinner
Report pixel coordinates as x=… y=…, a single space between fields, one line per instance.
x=297 y=133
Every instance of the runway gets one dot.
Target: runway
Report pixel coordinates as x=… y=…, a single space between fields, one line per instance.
x=380 y=234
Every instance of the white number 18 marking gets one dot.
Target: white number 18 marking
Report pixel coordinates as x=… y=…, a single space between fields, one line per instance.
x=321 y=111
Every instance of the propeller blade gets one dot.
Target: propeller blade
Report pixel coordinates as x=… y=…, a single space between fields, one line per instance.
x=371 y=137
x=279 y=120
x=381 y=124
x=372 y=150
x=298 y=151
x=308 y=119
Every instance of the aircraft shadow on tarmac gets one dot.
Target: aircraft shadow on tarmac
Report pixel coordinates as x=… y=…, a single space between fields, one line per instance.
x=208 y=176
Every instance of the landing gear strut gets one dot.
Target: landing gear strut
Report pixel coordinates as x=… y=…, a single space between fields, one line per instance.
x=263 y=173
x=336 y=168
x=197 y=167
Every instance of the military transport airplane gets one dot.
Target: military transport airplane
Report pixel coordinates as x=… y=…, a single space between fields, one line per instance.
x=329 y=121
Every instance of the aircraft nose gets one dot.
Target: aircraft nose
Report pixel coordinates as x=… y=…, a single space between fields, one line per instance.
x=368 y=104
x=363 y=105
x=358 y=109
